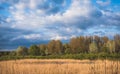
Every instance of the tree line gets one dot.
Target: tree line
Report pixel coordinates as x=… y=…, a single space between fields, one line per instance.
x=78 y=45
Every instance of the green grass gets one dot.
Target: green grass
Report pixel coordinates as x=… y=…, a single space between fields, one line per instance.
x=81 y=56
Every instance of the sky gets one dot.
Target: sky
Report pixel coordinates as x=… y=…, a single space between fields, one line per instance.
x=27 y=22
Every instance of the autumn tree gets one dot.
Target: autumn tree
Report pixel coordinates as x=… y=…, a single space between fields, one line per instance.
x=80 y=44
x=58 y=47
x=55 y=47
x=82 y=47
x=74 y=45
x=51 y=47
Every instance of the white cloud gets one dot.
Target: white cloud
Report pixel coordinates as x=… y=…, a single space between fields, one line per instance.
x=78 y=8
x=20 y=6
x=28 y=37
x=102 y=3
x=68 y=30
x=8 y=20
x=58 y=37
x=52 y=36
x=32 y=36
x=36 y=18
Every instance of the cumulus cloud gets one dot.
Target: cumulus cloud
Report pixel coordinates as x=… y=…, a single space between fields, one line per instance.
x=35 y=21
x=39 y=17
x=29 y=17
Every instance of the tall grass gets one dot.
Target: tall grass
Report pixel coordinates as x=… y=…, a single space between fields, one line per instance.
x=59 y=66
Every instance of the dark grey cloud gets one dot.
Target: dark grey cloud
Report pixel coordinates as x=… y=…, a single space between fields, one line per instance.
x=7 y=34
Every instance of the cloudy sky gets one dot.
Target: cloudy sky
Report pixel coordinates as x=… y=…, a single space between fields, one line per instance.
x=26 y=22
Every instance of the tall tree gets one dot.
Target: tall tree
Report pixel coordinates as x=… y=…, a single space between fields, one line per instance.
x=51 y=47
x=55 y=47
x=74 y=45
x=88 y=40
x=58 y=47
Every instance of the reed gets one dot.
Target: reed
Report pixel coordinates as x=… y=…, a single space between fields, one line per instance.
x=59 y=66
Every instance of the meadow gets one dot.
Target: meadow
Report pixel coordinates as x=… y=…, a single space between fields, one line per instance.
x=59 y=66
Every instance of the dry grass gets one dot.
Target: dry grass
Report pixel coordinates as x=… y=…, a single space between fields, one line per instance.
x=58 y=66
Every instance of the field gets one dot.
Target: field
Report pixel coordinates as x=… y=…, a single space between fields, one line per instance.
x=59 y=66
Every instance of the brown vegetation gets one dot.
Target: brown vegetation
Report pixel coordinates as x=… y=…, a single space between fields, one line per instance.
x=58 y=66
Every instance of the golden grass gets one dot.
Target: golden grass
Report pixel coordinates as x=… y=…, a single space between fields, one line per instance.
x=59 y=66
